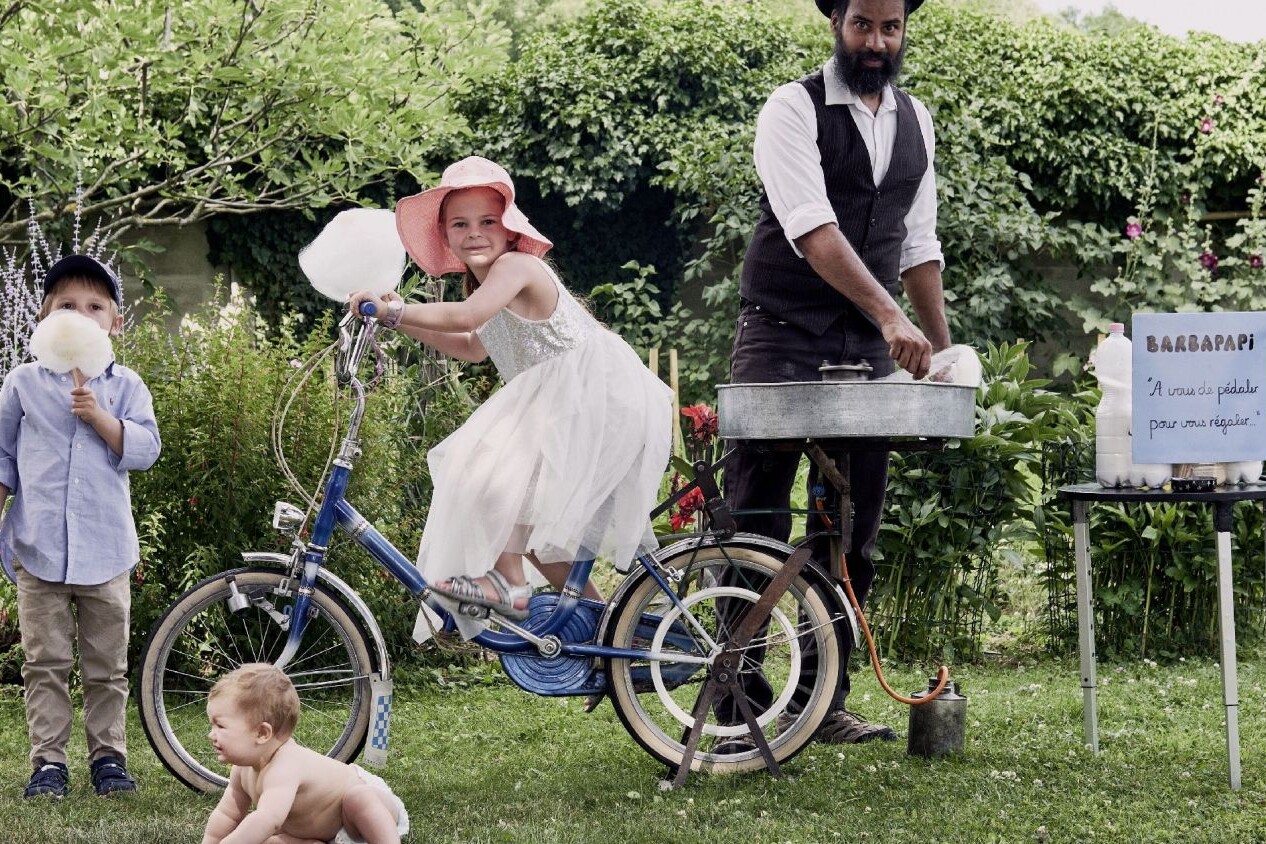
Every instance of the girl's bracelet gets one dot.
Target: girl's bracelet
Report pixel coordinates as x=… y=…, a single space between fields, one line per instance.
x=395 y=312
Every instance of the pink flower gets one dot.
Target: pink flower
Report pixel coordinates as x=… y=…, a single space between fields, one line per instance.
x=1218 y=99
x=1184 y=199
x=1255 y=260
x=1208 y=260
x=1206 y=126
x=1133 y=229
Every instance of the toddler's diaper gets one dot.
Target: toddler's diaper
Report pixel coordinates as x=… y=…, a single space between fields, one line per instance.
x=402 y=816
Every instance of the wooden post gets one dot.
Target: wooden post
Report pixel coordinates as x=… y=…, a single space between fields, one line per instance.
x=679 y=445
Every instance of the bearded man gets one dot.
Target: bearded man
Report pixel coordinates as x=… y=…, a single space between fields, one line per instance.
x=848 y=217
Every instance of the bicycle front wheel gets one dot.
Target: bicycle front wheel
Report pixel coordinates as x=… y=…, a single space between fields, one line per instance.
x=242 y=616
x=789 y=674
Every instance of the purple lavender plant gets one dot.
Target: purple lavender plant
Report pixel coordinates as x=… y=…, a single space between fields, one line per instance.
x=19 y=303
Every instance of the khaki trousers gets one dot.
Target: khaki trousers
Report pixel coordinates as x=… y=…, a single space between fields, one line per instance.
x=51 y=617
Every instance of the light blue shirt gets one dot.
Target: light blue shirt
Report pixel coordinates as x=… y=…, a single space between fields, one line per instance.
x=71 y=516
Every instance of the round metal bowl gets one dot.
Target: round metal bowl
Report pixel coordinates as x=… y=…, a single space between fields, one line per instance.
x=843 y=409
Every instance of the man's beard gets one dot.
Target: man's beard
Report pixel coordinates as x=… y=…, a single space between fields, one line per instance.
x=862 y=80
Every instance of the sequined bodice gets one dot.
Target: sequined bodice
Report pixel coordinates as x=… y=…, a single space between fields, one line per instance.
x=516 y=344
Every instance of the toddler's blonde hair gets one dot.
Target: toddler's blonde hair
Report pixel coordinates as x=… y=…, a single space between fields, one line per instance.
x=261 y=692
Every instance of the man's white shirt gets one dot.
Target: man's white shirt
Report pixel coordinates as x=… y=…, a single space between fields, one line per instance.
x=790 y=166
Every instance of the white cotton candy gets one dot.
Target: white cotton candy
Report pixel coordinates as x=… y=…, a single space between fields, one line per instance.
x=358 y=250
x=955 y=365
x=66 y=340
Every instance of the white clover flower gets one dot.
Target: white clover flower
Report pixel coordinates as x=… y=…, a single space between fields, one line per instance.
x=66 y=340
x=358 y=250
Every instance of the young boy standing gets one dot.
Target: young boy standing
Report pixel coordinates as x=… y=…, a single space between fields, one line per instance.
x=69 y=541
x=300 y=796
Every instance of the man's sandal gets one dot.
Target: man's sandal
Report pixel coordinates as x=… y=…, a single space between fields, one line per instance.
x=470 y=595
x=844 y=727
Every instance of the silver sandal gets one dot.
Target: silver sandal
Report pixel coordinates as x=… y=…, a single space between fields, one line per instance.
x=472 y=601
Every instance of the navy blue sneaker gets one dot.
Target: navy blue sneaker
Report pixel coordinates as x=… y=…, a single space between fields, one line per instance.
x=51 y=779
x=110 y=777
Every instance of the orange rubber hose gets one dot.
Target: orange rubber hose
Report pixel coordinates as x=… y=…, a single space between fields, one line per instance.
x=942 y=673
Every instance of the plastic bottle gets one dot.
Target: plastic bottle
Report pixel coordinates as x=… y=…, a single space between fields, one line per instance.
x=1114 y=465
x=1243 y=471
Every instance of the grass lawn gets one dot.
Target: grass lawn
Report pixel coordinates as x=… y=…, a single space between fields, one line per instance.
x=490 y=763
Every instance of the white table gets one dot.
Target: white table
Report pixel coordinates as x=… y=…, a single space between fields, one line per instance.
x=1223 y=500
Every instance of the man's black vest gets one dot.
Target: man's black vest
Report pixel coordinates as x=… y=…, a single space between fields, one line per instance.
x=872 y=218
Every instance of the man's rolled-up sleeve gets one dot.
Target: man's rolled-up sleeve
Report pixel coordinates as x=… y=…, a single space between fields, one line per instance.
x=921 y=244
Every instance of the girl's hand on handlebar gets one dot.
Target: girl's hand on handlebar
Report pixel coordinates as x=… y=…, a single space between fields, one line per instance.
x=380 y=303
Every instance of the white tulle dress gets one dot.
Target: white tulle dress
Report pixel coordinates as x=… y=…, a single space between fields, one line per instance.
x=564 y=460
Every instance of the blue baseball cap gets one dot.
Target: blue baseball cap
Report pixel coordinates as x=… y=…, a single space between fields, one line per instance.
x=85 y=266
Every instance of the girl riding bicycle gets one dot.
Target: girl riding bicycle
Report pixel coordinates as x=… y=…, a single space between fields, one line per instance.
x=566 y=458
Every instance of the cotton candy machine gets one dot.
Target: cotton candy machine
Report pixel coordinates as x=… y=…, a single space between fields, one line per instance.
x=848 y=404
x=844 y=413
x=846 y=409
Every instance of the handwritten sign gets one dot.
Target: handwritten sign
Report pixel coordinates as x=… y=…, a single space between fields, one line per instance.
x=1199 y=387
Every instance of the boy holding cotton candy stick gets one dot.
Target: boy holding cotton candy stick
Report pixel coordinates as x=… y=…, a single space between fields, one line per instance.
x=72 y=425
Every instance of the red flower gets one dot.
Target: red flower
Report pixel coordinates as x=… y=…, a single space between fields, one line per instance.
x=1208 y=260
x=703 y=422
x=1206 y=126
x=1255 y=260
x=1133 y=230
x=684 y=515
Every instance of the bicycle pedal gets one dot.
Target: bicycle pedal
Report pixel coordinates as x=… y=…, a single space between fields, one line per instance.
x=473 y=611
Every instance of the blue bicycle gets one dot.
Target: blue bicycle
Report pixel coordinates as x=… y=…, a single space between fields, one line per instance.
x=720 y=652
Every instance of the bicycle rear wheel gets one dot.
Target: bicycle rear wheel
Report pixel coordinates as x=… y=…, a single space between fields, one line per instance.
x=202 y=637
x=790 y=673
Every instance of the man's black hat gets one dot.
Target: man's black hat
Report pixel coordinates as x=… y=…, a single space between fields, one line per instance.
x=827 y=6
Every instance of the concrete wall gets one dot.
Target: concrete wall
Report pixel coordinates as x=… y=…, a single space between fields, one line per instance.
x=180 y=268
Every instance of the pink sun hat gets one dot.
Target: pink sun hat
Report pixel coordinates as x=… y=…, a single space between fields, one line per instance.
x=418 y=216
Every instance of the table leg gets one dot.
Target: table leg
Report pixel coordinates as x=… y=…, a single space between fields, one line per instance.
x=1226 y=631
x=1085 y=623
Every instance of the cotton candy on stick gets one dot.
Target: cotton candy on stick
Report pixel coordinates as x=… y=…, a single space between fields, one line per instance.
x=66 y=341
x=358 y=250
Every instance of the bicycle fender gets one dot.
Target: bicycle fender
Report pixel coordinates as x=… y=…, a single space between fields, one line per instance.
x=353 y=600
x=827 y=586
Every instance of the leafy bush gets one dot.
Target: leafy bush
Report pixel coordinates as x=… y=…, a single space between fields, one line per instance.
x=951 y=515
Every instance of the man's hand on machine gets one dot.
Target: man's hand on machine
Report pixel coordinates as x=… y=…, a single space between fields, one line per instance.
x=909 y=348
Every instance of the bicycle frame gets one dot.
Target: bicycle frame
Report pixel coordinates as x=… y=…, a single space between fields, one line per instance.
x=337 y=511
